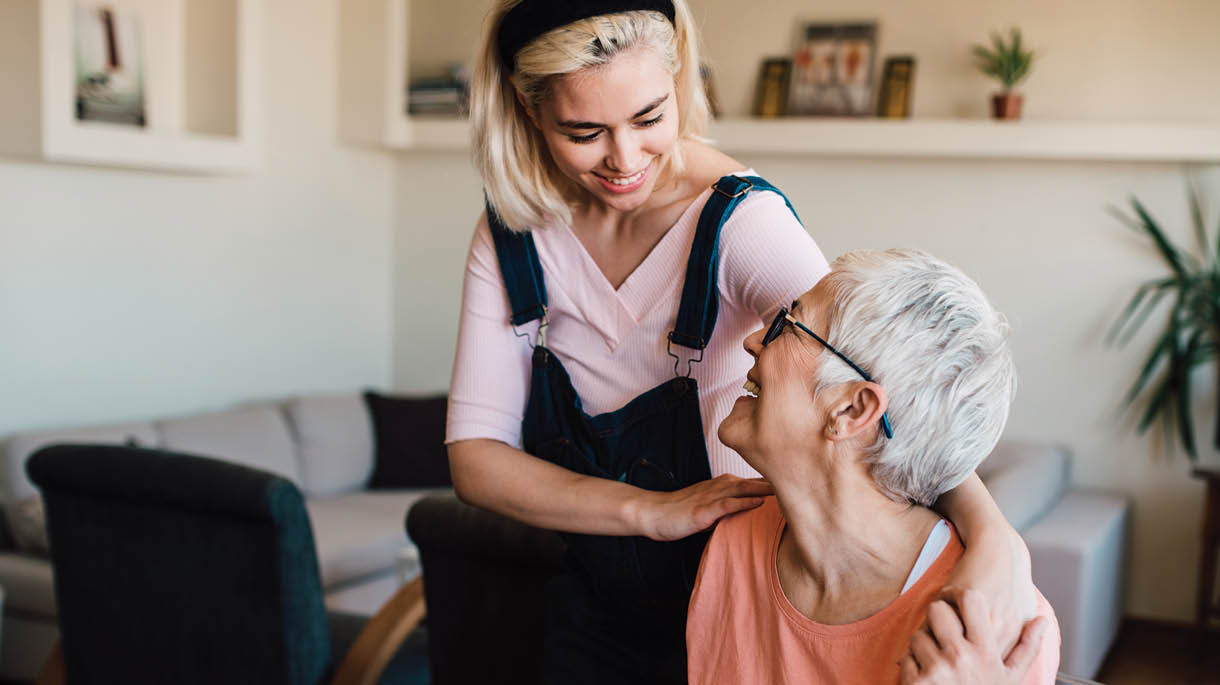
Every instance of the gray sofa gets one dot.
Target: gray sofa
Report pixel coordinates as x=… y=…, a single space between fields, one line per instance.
x=1077 y=542
x=323 y=443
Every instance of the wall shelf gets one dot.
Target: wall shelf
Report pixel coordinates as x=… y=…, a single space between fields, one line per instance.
x=928 y=139
x=201 y=96
x=374 y=61
x=973 y=139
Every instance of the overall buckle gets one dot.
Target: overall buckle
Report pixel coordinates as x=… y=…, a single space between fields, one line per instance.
x=745 y=189
x=542 y=325
x=669 y=348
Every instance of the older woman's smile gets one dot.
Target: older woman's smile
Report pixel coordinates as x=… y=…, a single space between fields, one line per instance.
x=752 y=386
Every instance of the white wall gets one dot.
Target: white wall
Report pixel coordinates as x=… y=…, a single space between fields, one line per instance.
x=128 y=295
x=1036 y=235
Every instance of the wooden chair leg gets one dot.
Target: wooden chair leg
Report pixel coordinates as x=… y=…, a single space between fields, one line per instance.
x=53 y=671
x=382 y=636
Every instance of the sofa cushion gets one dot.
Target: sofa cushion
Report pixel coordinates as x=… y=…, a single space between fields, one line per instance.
x=28 y=585
x=29 y=526
x=256 y=436
x=409 y=434
x=334 y=442
x=1025 y=479
x=22 y=445
x=360 y=534
x=16 y=487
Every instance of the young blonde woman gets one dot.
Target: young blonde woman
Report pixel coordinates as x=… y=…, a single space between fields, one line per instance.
x=607 y=289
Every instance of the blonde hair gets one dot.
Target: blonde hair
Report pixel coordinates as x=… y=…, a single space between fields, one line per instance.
x=522 y=183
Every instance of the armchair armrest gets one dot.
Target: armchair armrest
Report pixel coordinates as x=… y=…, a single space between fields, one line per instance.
x=382 y=636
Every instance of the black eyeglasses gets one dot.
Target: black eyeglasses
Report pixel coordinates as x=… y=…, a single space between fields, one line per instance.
x=784 y=318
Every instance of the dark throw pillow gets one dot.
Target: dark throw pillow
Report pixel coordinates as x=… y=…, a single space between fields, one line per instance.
x=408 y=441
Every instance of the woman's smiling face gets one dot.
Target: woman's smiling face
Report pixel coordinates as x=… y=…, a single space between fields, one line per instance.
x=609 y=128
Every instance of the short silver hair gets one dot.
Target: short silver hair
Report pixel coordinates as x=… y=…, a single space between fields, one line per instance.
x=928 y=335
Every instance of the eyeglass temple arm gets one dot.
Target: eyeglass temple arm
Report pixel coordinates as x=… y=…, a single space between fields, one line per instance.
x=885 y=418
x=830 y=347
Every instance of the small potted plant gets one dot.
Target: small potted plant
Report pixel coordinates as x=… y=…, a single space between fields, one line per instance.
x=1010 y=63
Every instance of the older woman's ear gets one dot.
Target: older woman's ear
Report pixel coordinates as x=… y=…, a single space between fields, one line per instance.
x=857 y=411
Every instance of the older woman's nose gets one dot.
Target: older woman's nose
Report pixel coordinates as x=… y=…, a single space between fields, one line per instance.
x=753 y=343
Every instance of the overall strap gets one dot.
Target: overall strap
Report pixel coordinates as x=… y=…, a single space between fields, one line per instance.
x=700 y=299
x=521 y=270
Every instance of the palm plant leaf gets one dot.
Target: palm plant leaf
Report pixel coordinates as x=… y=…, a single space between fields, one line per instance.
x=1191 y=336
x=1158 y=405
x=1196 y=222
x=1167 y=250
x=1158 y=289
x=1163 y=347
x=1183 y=366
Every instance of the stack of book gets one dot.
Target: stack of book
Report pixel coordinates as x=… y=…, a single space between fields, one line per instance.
x=441 y=96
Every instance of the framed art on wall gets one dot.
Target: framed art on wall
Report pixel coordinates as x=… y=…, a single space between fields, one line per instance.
x=832 y=72
x=109 y=64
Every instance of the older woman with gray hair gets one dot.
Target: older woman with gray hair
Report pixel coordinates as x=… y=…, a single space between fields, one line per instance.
x=881 y=388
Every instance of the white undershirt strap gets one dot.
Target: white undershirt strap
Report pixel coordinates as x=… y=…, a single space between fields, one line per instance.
x=932 y=547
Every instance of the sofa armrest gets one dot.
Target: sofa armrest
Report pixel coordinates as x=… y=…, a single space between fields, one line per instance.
x=1025 y=479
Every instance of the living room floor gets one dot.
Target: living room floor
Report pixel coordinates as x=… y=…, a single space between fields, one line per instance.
x=1153 y=653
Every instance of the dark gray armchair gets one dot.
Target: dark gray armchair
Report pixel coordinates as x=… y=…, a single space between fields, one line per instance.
x=179 y=569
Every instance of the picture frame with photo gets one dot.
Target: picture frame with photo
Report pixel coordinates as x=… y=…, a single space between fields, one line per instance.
x=833 y=70
x=771 y=94
x=897 y=88
x=109 y=64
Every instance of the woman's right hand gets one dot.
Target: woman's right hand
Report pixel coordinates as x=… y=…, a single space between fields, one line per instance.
x=674 y=515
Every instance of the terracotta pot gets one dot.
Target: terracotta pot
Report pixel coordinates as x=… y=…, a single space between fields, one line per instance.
x=1006 y=106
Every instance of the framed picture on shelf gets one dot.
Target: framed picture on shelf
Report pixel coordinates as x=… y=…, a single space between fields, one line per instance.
x=832 y=73
x=771 y=94
x=897 y=88
x=109 y=64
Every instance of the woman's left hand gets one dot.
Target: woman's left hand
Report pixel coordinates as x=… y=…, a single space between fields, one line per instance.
x=949 y=650
x=997 y=565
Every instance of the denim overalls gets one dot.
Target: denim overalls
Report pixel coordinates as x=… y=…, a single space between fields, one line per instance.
x=619 y=616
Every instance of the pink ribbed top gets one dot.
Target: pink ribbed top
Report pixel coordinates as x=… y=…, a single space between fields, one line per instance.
x=613 y=342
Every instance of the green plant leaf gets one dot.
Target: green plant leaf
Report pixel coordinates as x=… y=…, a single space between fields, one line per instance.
x=1196 y=222
x=1160 y=289
x=1157 y=404
x=1186 y=420
x=1163 y=347
x=1167 y=249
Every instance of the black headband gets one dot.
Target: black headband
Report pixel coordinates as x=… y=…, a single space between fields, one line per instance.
x=532 y=18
